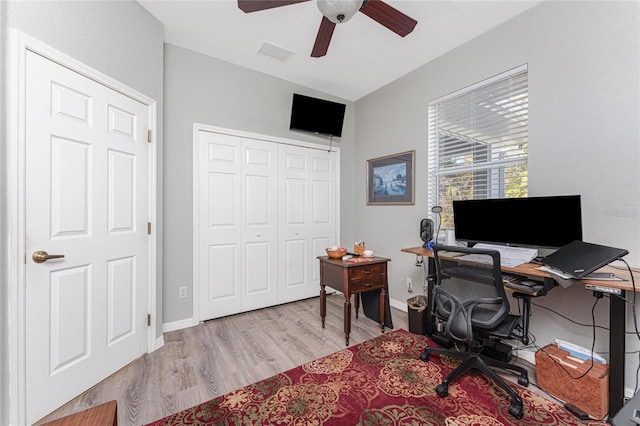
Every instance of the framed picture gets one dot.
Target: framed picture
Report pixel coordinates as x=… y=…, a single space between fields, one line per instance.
x=390 y=179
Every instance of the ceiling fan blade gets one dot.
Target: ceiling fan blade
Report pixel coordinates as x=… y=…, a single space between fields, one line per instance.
x=390 y=17
x=323 y=38
x=248 y=6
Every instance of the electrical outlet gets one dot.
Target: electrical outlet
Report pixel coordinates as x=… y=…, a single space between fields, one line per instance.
x=182 y=292
x=409 y=284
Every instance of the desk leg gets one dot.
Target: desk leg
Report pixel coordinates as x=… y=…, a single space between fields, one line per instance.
x=347 y=318
x=357 y=303
x=323 y=303
x=383 y=300
x=617 y=324
x=431 y=282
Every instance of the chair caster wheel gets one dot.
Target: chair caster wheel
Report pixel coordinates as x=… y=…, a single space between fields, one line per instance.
x=516 y=411
x=424 y=356
x=523 y=381
x=443 y=390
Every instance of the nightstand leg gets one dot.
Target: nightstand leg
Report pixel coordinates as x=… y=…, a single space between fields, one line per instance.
x=323 y=303
x=347 y=318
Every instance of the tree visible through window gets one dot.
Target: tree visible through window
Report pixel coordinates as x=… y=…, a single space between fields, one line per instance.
x=478 y=142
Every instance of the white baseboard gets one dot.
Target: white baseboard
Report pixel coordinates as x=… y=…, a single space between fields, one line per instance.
x=524 y=354
x=398 y=305
x=178 y=325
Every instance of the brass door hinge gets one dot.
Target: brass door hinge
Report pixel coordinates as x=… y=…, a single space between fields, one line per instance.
x=149 y=228
x=149 y=135
x=148 y=320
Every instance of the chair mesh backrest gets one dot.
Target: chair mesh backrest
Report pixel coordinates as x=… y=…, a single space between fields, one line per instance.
x=469 y=279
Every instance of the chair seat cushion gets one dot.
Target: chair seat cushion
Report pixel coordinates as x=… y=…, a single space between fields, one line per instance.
x=507 y=326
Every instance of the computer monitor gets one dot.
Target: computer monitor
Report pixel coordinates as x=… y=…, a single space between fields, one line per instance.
x=537 y=222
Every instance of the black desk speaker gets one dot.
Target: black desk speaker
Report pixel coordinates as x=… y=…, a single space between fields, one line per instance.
x=426 y=230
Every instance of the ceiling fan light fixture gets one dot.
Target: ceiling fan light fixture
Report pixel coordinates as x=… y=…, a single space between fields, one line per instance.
x=339 y=11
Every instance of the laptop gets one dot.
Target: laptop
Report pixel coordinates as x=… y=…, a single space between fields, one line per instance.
x=578 y=259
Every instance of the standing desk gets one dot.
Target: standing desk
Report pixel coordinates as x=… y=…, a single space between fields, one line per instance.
x=617 y=315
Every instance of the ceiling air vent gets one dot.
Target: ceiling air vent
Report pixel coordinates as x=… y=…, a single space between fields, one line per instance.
x=274 y=51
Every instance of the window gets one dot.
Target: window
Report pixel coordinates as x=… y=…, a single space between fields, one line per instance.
x=478 y=142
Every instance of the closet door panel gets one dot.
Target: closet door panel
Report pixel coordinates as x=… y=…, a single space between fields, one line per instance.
x=260 y=223
x=294 y=223
x=318 y=246
x=258 y=271
x=265 y=212
x=222 y=283
x=295 y=255
x=307 y=180
x=323 y=228
x=219 y=207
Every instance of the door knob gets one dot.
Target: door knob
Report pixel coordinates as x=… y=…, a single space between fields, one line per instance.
x=257 y=234
x=42 y=256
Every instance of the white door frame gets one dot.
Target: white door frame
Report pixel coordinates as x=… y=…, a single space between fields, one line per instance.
x=19 y=44
x=197 y=127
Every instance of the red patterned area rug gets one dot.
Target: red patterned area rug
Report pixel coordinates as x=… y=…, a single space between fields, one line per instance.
x=378 y=382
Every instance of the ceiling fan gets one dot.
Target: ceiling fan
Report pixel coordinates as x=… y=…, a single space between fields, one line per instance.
x=340 y=11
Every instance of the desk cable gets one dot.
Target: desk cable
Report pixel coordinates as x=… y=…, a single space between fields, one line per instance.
x=571 y=320
x=632 y=302
x=593 y=344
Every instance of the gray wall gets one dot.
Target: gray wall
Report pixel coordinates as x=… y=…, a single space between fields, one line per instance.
x=584 y=131
x=584 y=138
x=201 y=89
x=121 y=40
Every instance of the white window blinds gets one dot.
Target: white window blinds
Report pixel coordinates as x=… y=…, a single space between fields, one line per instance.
x=478 y=141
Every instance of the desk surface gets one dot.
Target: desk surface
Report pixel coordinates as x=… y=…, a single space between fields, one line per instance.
x=529 y=269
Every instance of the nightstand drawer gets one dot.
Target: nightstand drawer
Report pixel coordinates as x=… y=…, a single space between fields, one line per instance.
x=365 y=284
x=368 y=271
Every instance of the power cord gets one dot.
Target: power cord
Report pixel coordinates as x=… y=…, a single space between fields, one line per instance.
x=593 y=343
x=569 y=319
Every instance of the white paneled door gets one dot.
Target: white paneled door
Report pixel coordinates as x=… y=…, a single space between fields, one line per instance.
x=307 y=220
x=219 y=229
x=260 y=223
x=86 y=159
x=264 y=211
x=238 y=229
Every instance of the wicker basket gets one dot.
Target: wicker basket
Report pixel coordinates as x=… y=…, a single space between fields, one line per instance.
x=359 y=250
x=335 y=254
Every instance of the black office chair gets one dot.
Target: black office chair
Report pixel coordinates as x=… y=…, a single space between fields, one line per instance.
x=469 y=298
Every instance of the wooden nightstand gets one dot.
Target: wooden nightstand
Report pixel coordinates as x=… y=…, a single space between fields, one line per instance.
x=352 y=278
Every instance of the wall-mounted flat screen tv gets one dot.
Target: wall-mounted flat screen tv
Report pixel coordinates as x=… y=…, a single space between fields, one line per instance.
x=545 y=222
x=317 y=116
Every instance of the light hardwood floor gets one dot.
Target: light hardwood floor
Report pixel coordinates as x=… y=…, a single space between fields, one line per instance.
x=199 y=363
x=202 y=362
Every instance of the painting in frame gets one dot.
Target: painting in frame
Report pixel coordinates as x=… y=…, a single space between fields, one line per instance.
x=390 y=179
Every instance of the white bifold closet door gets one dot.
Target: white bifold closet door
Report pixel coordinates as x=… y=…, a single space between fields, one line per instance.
x=238 y=224
x=265 y=211
x=307 y=219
